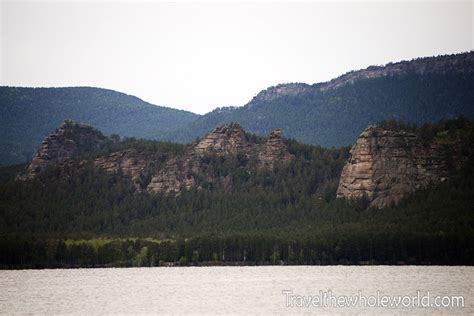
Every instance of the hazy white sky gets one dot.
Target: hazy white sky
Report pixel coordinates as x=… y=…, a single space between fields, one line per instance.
x=199 y=56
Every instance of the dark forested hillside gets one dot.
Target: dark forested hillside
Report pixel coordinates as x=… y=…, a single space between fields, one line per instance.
x=336 y=112
x=27 y=115
x=327 y=114
x=93 y=219
x=79 y=199
x=78 y=214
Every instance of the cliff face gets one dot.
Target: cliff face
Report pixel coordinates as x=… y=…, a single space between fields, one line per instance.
x=130 y=162
x=226 y=142
x=279 y=91
x=179 y=174
x=273 y=149
x=70 y=139
x=460 y=63
x=174 y=173
x=385 y=165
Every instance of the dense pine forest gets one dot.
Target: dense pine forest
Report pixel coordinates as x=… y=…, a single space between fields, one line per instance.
x=27 y=115
x=330 y=114
x=336 y=117
x=79 y=215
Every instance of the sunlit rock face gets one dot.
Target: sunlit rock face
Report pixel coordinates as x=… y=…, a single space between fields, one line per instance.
x=385 y=165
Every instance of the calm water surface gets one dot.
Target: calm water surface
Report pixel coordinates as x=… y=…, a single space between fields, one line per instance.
x=224 y=290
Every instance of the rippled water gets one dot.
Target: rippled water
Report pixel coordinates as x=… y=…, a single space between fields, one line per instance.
x=241 y=290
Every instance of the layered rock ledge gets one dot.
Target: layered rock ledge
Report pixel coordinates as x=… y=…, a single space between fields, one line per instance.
x=385 y=165
x=175 y=173
x=225 y=141
x=70 y=139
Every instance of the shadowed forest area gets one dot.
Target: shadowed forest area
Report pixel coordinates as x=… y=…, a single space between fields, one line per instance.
x=78 y=215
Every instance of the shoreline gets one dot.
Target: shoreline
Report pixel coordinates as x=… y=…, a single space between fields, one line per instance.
x=219 y=264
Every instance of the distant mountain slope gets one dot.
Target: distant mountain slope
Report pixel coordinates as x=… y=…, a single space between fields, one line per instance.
x=336 y=112
x=330 y=114
x=27 y=115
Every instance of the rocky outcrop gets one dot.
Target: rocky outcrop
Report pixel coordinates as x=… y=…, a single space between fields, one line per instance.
x=174 y=178
x=273 y=149
x=227 y=141
x=280 y=91
x=224 y=140
x=169 y=174
x=70 y=139
x=385 y=165
x=181 y=174
x=129 y=162
x=459 y=63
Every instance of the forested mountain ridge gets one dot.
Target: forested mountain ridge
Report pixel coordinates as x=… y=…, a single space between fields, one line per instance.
x=385 y=164
x=275 y=205
x=226 y=167
x=334 y=113
x=197 y=166
x=27 y=115
x=328 y=114
x=439 y=65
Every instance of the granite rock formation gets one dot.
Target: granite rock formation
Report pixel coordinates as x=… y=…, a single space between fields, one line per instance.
x=385 y=165
x=279 y=91
x=225 y=141
x=70 y=139
x=460 y=63
x=273 y=149
x=174 y=173
x=130 y=162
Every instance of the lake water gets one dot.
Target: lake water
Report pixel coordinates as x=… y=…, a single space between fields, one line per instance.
x=232 y=290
